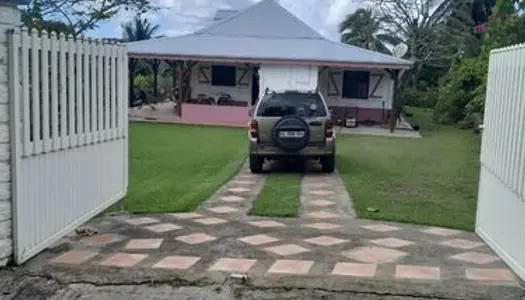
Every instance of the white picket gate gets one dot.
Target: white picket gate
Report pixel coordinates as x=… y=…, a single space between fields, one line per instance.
x=501 y=200
x=69 y=123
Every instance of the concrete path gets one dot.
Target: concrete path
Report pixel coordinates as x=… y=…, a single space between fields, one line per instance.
x=219 y=252
x=324 y=196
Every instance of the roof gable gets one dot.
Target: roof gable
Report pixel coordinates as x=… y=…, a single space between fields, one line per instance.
x=222 y=14
x=265 y=19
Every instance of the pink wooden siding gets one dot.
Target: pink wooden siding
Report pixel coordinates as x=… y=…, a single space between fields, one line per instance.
x=215 y=115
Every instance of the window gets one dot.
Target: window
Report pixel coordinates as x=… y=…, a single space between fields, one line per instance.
x=355 y=84
x=292 y=103
x=223 y=76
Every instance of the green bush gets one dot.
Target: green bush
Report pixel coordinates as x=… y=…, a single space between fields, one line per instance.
x=459 y=87
x=462 y=90
x=142 y=82
x=420 y=96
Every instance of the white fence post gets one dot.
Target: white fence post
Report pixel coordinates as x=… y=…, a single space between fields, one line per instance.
x=9 y=21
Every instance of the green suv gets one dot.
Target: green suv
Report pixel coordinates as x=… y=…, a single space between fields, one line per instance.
x=291 y=124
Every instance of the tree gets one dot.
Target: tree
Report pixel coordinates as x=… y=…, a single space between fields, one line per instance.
x=83 y=15
x=362 y=29
x=138 y=29
x=32 y=18
x=420 y=24
x=482 y=10
x=462 y=92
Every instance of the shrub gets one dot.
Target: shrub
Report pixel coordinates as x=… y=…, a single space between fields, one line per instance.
x=459 y=87
x=420 y=96
x=142 y=82
x=462 y=90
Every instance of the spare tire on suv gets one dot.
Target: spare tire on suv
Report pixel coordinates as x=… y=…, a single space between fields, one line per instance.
x=291 y=134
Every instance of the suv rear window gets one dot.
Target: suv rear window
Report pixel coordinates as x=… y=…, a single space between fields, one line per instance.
x=292 y=103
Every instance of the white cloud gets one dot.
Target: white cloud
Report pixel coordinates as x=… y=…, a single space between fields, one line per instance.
x=185 y=16
x=337 y=11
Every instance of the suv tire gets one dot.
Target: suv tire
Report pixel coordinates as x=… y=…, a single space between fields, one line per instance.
x=292 y=123
x=328 y=163
x=256 y=163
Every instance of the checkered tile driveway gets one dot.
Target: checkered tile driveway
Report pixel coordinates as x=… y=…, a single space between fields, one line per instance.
x=325 y=242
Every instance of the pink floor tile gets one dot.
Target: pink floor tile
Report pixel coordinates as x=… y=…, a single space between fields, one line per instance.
x=494 y=275
x=163 y=227
x=233 y=265
x=375 y=255
x=243 y=182
x=323 y=203
x=391 y=242
x=323 y=225
x=417 y=272
x=190 y=215
x=321 y=192
x=266 y=224
x=258 y=239
x=102 y=240
x=142 y=221
x=238 y=190
x=288 y=249
x=177 y=262
x=381 y=227
x=291 y=267
x=475 y=258
x=197 y=238
x=325 y=240
x=144 y=244
x=223 y=209
x=232 y=199
x=211 y=221
x=322 y=215
x=441 y=231
x=353 y=269
x=123 y=260
x=74 y=257
x=461 y=244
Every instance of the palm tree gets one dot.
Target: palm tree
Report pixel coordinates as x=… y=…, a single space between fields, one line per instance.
x=362 y=29
x=139 y=29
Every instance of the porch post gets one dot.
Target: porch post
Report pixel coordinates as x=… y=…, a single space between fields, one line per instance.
x=9 y=20
x=396 y=100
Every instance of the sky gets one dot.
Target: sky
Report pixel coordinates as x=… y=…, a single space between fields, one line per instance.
x=177 y=17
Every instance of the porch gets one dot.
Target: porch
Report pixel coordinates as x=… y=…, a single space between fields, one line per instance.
x=222 y=92
x=194 y=114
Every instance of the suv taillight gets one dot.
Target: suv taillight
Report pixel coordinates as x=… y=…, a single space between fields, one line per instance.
x=329 y=129
x=254 y=129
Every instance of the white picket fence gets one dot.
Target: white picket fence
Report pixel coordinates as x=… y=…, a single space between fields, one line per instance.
x=69 y=120
x=501 y=199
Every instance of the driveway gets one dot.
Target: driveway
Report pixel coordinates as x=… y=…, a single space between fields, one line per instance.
x=219 y=252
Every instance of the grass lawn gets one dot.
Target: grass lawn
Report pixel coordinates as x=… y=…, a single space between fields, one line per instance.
x=174 y=168
x=279 y=196
x=433 y=180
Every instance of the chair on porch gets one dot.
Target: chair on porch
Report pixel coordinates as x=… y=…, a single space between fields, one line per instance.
x=351 y=112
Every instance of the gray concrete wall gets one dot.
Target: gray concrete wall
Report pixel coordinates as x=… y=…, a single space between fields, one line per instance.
x=9 y=19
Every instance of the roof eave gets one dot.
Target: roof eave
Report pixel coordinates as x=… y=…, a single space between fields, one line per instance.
x=276 y=61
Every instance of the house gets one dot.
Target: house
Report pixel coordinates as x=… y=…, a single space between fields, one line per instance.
x=242 y=53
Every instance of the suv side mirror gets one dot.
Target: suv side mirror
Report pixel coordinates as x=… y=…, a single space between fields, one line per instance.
x=250 y=112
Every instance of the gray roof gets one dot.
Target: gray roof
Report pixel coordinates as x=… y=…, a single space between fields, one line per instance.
x=263 y=31
x=222 y=14
x=264 y=19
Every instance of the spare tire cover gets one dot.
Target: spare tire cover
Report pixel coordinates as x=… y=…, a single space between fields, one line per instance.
x=291 y=134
